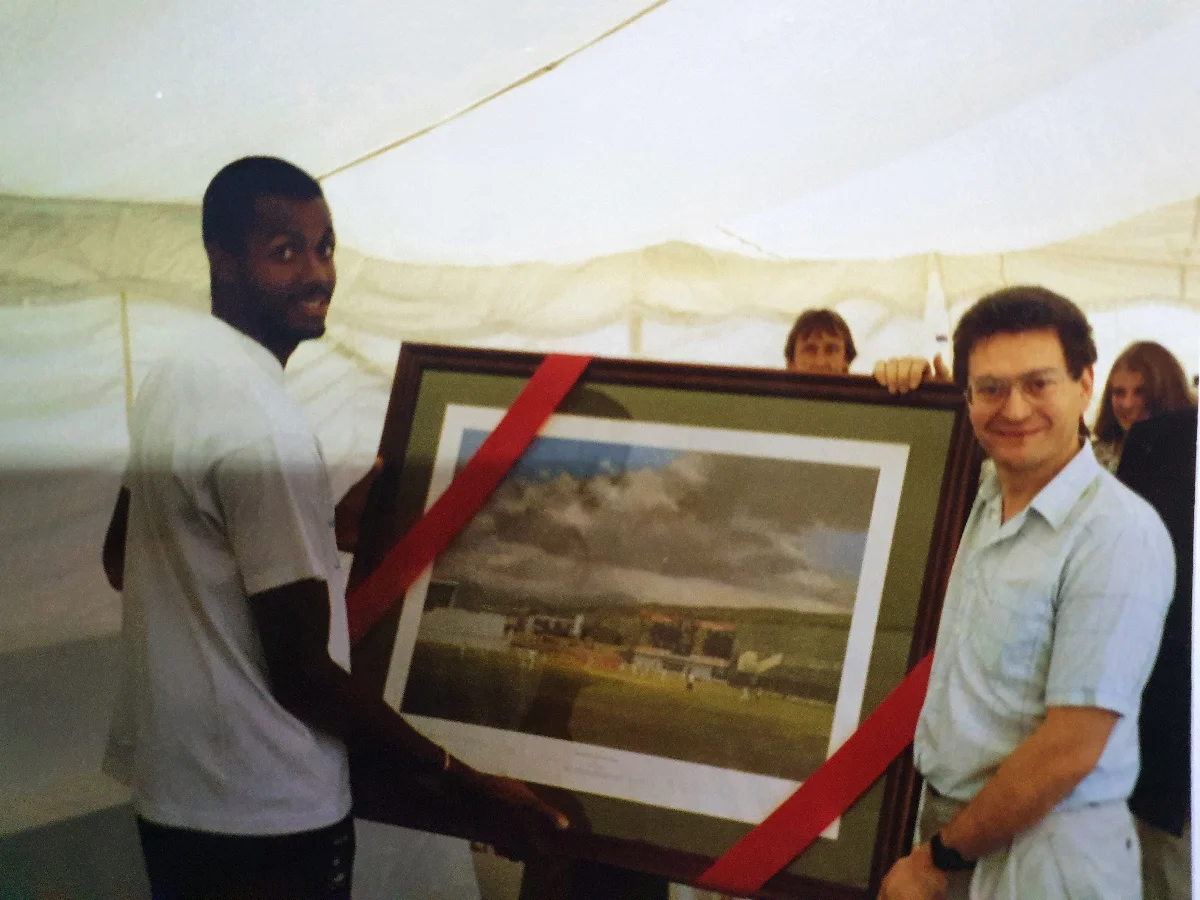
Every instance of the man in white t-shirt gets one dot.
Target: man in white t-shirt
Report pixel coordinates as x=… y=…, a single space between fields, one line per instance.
x=238 y=704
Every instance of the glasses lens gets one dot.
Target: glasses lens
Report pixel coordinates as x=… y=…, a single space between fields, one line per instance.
x=989 y=391
x=994 y=391
x=1039 y=385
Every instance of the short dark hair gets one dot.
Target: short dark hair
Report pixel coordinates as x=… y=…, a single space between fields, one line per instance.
x=228 y=207
x=1025 y=308
x=819 y=321
x=1164 y=385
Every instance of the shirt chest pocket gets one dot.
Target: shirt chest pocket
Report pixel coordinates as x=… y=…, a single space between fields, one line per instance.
x=1011 y=626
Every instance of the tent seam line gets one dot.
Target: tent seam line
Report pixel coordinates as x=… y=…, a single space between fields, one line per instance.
x=520 y=82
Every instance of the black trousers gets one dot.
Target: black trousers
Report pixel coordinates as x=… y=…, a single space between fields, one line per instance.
x=199 y=865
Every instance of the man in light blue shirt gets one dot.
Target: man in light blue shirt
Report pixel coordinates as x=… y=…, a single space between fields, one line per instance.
x=1052 y=618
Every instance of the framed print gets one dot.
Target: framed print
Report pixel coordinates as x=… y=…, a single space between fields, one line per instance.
x=683 y=597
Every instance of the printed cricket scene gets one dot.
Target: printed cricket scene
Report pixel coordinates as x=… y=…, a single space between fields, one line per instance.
x=674 y=615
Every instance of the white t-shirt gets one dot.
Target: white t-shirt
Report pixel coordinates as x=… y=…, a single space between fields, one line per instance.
x=229 y=497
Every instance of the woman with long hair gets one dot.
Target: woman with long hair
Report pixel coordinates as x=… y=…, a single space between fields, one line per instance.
x=1145 y=380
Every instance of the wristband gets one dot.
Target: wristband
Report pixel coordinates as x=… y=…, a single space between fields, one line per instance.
x=947 y=859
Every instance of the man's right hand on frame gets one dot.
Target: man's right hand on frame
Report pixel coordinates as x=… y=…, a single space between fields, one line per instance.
x=349 y=510
x=517 y=794
x=914 y=877
x=530 y=822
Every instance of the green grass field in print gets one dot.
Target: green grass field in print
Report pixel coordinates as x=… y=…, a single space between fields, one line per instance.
x=581 y=697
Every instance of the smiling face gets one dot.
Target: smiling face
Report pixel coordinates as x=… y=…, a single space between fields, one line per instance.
x=1033 y=437
x=1128 y=397
x=286 y=271
x=821 y=352
x=278 y=288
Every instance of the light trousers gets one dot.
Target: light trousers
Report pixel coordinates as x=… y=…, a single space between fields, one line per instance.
x=1087 y=853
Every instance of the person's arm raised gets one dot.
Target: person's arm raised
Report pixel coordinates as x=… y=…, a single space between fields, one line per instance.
x=902 y=374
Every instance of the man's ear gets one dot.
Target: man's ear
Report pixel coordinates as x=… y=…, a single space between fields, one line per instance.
x=222 y=265
x=1087 y=381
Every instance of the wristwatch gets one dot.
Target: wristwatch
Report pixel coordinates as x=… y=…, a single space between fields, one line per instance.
x=947 y=859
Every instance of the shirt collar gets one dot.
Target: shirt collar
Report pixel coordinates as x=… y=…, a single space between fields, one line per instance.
x=262 y=357
x=1054 y=501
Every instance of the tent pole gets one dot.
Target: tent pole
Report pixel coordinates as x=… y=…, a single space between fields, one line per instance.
x=1190 y=253
x=937 y=311
x=127 y=360
x=635 y=332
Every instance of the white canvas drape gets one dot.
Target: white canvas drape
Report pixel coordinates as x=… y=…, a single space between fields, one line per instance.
x=53 y=250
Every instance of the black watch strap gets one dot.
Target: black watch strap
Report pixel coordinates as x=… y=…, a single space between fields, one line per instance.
x=947 y=859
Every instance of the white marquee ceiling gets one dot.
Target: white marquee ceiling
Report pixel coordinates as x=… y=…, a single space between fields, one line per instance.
x=848 y=129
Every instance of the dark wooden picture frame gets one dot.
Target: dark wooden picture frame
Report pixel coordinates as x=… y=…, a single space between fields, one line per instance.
x=942 y=446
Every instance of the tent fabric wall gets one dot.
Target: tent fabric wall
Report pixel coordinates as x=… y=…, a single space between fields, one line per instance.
x=52 y=250
x=63 y=439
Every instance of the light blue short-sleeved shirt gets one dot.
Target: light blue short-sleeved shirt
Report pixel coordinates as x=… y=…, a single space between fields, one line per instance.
x=1062 y=605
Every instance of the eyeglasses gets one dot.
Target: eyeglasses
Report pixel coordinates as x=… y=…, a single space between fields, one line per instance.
x=1036 y=387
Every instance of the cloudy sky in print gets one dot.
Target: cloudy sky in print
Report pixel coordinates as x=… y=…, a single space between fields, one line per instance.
x=581 y=519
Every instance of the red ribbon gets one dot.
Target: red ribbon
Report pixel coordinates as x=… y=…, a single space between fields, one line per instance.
x=827 y=793
x=465 y=494
x=795 y=823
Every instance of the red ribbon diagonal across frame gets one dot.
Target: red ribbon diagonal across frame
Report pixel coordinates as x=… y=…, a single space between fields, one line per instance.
x=465 y=494
x=825 y=794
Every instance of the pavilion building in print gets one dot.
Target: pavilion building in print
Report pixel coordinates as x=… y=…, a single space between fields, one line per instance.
x=694 y=648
